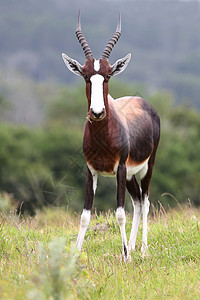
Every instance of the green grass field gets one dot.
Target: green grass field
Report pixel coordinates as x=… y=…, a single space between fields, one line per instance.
x=39 y=258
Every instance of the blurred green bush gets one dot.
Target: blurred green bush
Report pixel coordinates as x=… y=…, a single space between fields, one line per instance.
x=45 y=166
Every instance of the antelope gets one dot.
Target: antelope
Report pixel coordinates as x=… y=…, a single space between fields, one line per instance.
x=120 y=139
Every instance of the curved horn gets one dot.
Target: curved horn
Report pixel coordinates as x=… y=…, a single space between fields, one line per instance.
x=112 y=41
x=82 y=40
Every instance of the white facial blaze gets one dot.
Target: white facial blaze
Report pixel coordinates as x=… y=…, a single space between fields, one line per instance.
x=97 y=100
x=96 y=65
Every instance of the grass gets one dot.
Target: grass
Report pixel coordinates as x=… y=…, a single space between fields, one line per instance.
x=39 y=259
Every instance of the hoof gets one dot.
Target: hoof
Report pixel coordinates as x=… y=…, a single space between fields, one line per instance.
x=127 y=258
x=131 y=248
x=144 y=251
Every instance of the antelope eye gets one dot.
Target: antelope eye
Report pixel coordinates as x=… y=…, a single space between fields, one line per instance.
x=108 y=76
x=85 y=76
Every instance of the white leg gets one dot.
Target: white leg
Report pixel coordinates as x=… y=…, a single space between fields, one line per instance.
x=136 y=220
x=85 y=219
x=95 y=177
x=121 y=219
x=145 y=211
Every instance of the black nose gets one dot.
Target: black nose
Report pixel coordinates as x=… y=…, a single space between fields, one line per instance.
x=97 y=115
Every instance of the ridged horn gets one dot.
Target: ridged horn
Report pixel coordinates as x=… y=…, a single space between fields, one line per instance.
x=82 y=40
x=112 y=41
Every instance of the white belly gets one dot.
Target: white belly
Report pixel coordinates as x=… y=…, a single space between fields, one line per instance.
x=130 y=170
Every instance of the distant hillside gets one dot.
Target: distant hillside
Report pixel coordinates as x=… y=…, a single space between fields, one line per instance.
x=163 y=36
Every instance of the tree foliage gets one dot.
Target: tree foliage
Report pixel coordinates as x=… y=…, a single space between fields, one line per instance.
x=45 y=166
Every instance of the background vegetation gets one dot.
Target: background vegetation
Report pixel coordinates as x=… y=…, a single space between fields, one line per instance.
x=43 y=106
x=45 y=166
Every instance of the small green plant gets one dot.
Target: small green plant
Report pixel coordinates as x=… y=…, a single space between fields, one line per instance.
x=56 y=270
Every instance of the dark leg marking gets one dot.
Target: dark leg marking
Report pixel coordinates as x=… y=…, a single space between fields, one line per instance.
x=120 y=213
x=89 y=193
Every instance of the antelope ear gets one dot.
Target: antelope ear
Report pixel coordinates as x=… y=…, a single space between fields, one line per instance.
x=120 y=65
x=72 y=65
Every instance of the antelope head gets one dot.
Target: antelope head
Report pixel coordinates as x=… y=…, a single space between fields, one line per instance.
x=97 y=73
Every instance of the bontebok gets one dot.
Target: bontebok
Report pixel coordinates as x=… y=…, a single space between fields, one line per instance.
x=120 y=139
